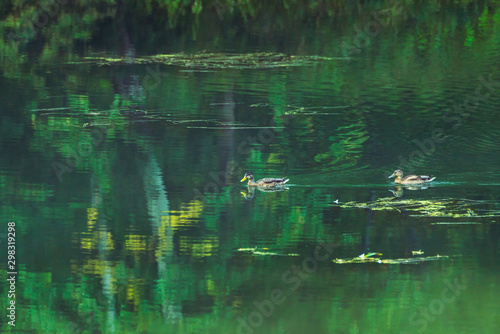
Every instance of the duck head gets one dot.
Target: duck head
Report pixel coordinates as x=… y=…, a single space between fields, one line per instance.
x=397 y=173
x=248 y=176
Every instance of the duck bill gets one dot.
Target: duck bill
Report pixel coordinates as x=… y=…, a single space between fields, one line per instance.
x=243 y=179
x=391 y=176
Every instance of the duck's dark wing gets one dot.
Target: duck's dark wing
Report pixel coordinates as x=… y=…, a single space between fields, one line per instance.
x=271 y=180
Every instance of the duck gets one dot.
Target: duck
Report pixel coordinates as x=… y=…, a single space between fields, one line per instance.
x=410 y=179
x=268 y=182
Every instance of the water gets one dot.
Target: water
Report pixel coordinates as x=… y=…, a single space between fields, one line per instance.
x=124 y=185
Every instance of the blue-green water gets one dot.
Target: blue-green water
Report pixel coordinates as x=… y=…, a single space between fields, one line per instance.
x=123 y=181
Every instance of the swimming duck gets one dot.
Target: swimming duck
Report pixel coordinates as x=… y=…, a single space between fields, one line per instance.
x=410 y=179
x=264 y=183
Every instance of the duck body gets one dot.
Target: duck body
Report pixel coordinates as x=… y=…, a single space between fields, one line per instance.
x=410 y=179
x=268 y=182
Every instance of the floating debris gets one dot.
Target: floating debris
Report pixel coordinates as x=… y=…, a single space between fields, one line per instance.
x=51 y=109
x=255 y=251
x=370 y=258
x=318 y=110
x=206 y=60
x=456 y=223
x=451 y=208
x=259 y=105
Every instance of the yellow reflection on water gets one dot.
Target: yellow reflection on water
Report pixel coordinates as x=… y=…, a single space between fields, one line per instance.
x=134 y=242
x=187 y=216
x=92 y=215
x=199 y=247
x=97 y=267
x=98 y=239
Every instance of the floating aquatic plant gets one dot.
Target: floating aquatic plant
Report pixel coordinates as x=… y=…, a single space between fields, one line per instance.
x=373 y=258
x=263 y=252
x=205 y=60
x=363 y=258
x=451 y=208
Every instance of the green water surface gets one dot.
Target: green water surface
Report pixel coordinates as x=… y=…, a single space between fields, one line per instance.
x=123 y=180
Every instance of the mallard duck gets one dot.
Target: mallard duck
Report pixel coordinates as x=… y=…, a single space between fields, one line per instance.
x=410 y=179
x=264 y=183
